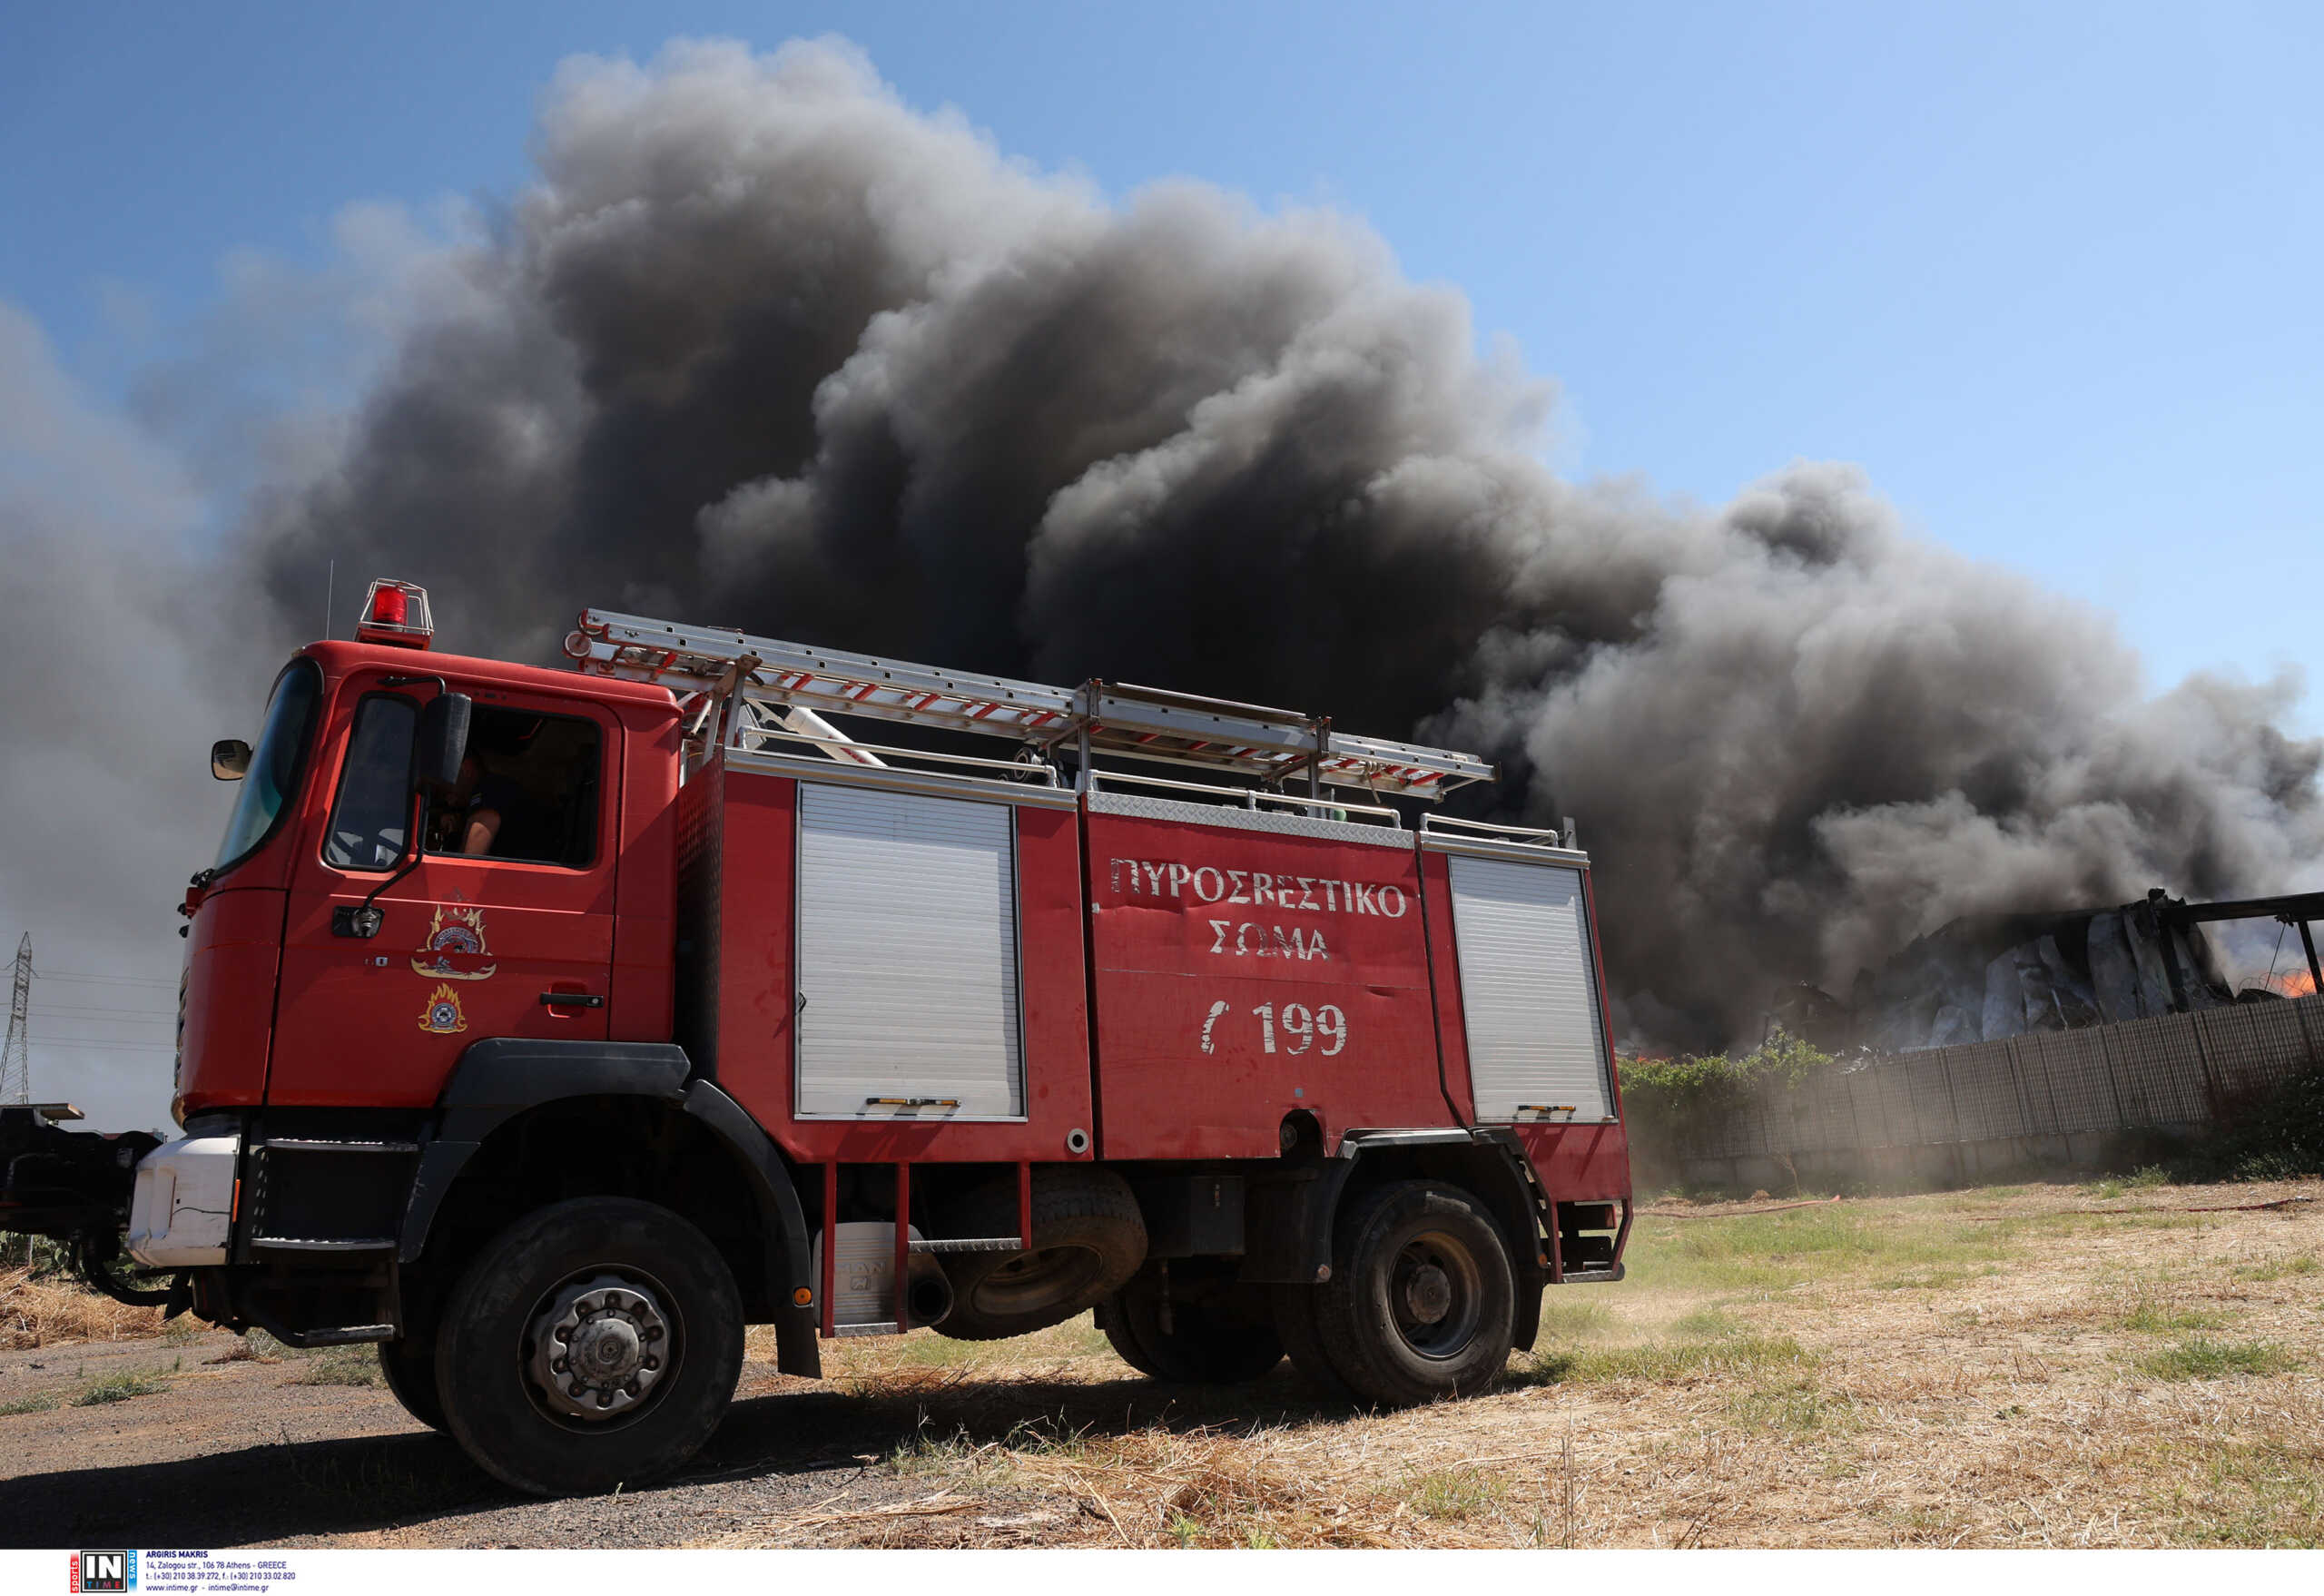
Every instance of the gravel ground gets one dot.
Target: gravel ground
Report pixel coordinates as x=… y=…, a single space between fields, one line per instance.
x=244 y=1453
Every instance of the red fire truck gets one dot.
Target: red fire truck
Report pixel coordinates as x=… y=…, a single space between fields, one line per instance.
x=548 y=1029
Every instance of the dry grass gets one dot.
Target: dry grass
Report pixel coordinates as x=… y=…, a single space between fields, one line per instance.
x=2003 y=1367
x=1983 y=1368
x=121 y=1387
x=55 y=1310
x=341 y=1365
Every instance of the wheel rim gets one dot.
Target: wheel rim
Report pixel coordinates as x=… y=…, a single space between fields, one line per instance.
x=1032 y=1282
x=1435 y=1295
x=599 y=1345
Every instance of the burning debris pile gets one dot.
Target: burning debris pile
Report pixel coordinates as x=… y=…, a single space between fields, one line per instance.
x=1986 y=977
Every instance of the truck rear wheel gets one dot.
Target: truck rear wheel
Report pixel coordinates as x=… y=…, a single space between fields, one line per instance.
x=1420 y=1303
x=409 y=1367
x=1294 y=1326
x=592 y=1344
x=1220 y=1333
x=1091 y=1239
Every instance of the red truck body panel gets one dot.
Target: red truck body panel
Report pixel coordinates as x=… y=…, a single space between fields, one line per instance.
x=1576 y=1163
x=747 y=853
x=1245 y=975
x=233 y=953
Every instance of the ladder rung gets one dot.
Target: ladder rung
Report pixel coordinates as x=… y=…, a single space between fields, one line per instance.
x=975 y=1243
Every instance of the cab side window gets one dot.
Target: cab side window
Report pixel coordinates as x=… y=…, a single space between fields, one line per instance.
x=527 y=791
x=370 y=815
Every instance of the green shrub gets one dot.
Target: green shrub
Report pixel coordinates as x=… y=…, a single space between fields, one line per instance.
x=2280 y=1139
x=1670 y=1102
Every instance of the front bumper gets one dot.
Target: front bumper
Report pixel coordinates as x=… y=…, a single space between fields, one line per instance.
x=182 y=1212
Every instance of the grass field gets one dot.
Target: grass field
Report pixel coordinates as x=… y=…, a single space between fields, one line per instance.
x=1994 y=1367
x=2046 y=1365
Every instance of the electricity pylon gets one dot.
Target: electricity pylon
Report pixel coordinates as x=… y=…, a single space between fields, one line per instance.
x=16 y=1059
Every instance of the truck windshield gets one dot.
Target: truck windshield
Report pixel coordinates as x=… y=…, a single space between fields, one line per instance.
x=275 y=764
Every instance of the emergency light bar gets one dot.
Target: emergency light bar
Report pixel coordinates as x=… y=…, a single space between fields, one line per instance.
x=1274 y=746
x=395 y=613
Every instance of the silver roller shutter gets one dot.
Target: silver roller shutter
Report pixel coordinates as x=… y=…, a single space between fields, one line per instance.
x=1528 y=991
x=906 y=954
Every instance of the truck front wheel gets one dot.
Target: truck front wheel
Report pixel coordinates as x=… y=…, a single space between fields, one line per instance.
x=408 y=1365
x=592 y=1344
x=1420 y=1303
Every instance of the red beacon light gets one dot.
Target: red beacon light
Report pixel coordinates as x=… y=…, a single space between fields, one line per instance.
x=395 y=613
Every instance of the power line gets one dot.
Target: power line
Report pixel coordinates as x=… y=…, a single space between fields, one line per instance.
x=50 y=1043
x=41 y=1010
x=76 y=1044
x=121 y=980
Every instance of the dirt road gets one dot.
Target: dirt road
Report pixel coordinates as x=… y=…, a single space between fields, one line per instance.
x=1994 y=1367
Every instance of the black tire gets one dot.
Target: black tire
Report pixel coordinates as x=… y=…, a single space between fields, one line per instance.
x=1420 y=1304
x=1294 y=1326
x=662 y=1309
x=409 y=1367
x=1220 y=1332
x=1126 y=1344
x=1090 y=1239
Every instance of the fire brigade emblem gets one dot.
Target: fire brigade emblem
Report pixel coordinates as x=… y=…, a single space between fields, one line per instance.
x=455 y=948
x=442 y=1016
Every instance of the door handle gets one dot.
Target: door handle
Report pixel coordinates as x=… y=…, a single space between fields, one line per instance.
x=574 y=999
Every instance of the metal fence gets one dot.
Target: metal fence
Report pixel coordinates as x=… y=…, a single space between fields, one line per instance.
x=2178 y=1071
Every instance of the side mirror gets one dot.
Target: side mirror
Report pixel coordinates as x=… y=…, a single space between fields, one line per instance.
x=230 y=759
x=441 y=738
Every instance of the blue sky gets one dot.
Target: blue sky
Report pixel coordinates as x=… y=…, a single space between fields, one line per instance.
x=2050 y=275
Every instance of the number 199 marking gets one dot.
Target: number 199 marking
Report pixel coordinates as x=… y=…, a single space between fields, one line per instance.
x=1300 y=1028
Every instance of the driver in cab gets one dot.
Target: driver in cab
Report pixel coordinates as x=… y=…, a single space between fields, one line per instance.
x=467 y=817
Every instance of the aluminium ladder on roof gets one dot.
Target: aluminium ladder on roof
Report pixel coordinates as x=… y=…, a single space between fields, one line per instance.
x=1271 y=745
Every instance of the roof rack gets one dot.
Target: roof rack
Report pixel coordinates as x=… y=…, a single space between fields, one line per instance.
x=1273 y=746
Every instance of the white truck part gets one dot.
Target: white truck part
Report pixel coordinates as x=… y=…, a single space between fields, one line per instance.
x=182 y=1212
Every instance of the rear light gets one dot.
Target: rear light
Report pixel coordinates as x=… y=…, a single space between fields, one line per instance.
x=395 y=613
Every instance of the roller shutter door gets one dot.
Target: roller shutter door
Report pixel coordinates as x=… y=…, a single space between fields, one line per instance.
x=1528 y=992
x=907 y=955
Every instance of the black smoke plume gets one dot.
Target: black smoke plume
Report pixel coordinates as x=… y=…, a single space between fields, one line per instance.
x=764 y=347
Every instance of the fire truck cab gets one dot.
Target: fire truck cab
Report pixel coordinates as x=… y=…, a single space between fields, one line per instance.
x=548 y=1028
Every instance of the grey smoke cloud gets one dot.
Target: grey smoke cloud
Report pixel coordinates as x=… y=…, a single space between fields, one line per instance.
x=763 y=346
